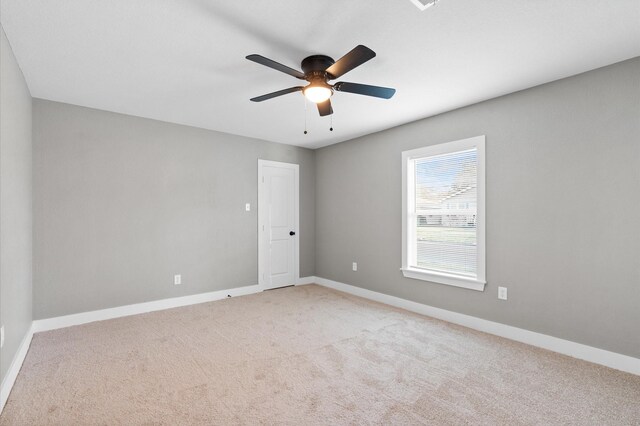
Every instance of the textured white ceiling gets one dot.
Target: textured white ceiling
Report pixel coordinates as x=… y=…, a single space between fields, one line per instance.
x=183 y=61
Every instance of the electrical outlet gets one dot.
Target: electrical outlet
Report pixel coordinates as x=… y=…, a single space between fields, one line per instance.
x=354 y=266
x=247 y=207
x=1 y=336
x=502 y=293
x=177 y=279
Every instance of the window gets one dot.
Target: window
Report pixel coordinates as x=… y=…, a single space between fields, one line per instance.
x=443 y=213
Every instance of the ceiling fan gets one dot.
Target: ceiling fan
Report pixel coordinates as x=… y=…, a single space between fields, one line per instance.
x=318 y=70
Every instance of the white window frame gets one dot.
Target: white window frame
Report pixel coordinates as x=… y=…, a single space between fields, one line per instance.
x=408 y=205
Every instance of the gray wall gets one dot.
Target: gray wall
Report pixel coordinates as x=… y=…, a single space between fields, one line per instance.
x=563 y=208
x=121 y=204
x=15 y=204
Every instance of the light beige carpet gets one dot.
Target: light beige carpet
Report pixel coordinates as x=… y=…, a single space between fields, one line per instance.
x=305 y=355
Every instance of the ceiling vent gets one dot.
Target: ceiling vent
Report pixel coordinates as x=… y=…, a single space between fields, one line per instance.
x=424 y=4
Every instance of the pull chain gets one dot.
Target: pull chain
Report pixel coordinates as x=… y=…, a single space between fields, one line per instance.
x=305 y=114
x=331 y=128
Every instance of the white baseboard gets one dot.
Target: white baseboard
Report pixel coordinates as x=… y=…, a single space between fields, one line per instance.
x=565 y=347
x=139 y=308
x=14 y=368
x=306 y=280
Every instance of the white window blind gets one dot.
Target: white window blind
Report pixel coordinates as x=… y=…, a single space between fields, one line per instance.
x=444 y=213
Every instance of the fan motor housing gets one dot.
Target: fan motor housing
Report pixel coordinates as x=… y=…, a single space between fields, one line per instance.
x=316 y=63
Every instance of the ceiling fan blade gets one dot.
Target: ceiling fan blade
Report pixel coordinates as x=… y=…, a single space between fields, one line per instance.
x=324 y=108
x=365 y=89
x=358 y=56
x=275 y=65
x=276 y=94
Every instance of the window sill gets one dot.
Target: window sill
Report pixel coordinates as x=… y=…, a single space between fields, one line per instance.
x=441 y=278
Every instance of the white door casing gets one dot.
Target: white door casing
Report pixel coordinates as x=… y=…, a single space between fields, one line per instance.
x=278 y=217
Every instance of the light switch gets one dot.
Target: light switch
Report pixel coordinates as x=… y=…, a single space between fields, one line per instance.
x=247 y=207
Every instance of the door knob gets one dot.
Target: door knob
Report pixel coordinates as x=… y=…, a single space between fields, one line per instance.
x=292 y=233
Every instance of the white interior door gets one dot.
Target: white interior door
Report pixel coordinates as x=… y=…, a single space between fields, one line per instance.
x=278 y=231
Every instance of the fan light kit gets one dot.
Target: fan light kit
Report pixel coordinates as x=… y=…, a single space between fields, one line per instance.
x=318 y=70
x=317 y=93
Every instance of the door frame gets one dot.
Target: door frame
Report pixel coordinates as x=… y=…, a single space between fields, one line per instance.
x=263 y=220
